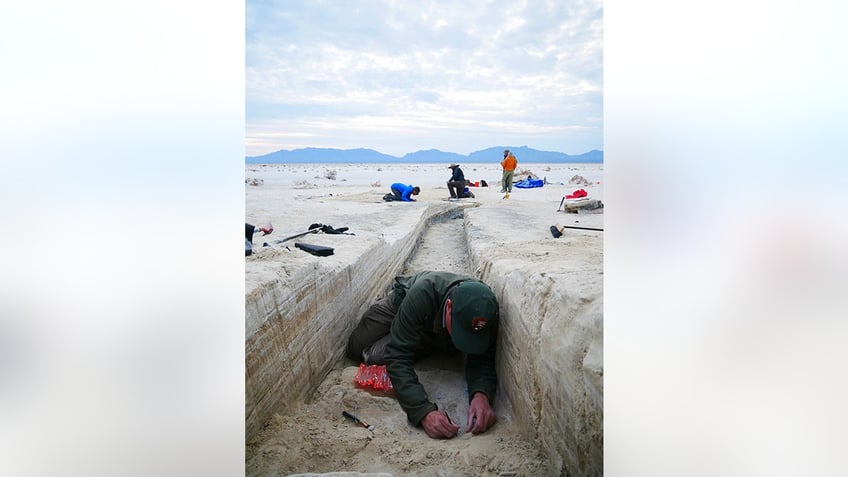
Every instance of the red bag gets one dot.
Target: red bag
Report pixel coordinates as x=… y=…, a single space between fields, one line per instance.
x=374 y=376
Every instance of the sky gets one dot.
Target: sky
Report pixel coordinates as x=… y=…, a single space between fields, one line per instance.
x=400 y=77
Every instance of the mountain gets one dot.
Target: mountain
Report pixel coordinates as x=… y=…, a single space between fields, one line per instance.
x=359 y=156
x=527 y=154
x=433 y=155
x=321 y=155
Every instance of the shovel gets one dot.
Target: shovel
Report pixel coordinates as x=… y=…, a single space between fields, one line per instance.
x=312 y=231
x=556 y=230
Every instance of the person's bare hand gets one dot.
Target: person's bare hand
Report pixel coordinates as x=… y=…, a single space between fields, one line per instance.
x=437 y=425
x=481 y=416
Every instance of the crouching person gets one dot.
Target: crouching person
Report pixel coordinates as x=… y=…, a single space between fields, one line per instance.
x=432 y=312
x=402 y=192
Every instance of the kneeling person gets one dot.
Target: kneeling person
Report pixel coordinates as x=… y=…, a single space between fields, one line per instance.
x=404 y=192
x=426 y=312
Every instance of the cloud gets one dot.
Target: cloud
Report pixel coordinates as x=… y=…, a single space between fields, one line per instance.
x=492 y=69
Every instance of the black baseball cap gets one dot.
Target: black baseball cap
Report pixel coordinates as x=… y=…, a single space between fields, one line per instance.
x=474 y=316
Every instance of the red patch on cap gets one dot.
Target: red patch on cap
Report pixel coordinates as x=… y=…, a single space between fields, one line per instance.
x=478 y=324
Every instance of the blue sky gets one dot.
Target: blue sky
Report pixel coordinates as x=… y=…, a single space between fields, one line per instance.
x=401 y=76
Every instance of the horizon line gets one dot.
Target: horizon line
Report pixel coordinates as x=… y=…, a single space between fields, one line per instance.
x=420 y=150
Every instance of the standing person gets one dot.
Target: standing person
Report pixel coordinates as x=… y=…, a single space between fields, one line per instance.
x=509 y=164
x=456 y=184
x=426 y=312
x=404 y=192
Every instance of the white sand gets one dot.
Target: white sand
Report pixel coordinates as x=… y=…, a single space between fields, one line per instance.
x=294 y=196
x=515 y=237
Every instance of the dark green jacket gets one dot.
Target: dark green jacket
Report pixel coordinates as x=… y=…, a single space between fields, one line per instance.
x=417 y=330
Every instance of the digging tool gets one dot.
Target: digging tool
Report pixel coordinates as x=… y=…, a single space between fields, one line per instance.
x=556 y=230
x=560 y=203
x=581 y=228
x=357 y=420
x=312 y=231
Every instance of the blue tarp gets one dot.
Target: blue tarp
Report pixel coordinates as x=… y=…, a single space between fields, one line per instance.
x=529 y=183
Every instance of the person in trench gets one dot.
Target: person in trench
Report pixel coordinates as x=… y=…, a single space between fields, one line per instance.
x=430 y=312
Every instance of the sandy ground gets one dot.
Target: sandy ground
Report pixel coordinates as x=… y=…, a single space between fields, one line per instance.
x=315 y=437
x=294 y=196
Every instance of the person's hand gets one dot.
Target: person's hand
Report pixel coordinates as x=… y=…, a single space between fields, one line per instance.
x=481 y=416
x=437 y=425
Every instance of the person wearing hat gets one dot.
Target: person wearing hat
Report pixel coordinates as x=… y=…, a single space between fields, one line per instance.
x=509 y=164
x=456 y=184
x=427 y=312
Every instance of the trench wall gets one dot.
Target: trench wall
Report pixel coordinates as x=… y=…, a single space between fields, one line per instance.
x=304 y=327
x=550 y=353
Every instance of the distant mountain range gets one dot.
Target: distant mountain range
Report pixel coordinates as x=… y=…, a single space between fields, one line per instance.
x=492 y=154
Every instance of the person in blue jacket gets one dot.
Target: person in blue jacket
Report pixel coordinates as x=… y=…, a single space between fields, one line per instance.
x=404 y=192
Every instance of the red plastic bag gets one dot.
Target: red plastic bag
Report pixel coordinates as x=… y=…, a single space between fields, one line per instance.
x=577 y=194
x=374 y=376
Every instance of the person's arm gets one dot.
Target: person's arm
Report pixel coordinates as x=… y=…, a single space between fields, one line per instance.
x=400 y=356
x=481 y=416
x=482 y=381
x=407 y=192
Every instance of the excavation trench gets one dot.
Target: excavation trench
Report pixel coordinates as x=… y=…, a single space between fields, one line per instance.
x=298 y=382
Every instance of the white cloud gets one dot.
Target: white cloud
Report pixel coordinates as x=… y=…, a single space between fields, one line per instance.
x=339 y=69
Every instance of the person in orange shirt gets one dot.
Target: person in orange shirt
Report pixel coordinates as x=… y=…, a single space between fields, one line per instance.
x=509 y=164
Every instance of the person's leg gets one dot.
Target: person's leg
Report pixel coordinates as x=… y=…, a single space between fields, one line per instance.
x=503 y=180
x=376 y=353
x=460 y=188
x=456 y=188
x=509 y=175
x=451 y=189
x=464 y=190
x=369 y=338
